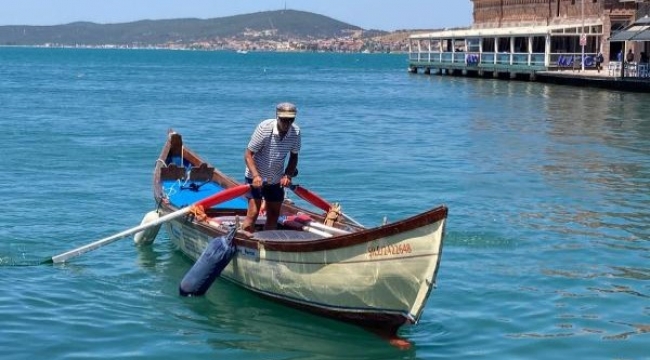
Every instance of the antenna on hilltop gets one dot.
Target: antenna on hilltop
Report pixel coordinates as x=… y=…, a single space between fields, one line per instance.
x=285 y=6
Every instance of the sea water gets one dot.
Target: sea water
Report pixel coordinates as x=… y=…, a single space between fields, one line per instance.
x=546 y=254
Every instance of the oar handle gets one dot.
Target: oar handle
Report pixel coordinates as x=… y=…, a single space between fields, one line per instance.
x=317 y=201
x=311 y=197
x=223 y=196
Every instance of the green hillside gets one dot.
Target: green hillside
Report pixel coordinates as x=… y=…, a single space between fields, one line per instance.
x=272 y=25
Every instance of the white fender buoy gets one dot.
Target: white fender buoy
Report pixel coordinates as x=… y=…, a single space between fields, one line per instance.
x=147 y=236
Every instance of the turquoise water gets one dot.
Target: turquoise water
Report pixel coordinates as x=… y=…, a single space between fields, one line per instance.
x=547 y=252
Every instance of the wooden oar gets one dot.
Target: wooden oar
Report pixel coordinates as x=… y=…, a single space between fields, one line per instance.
x=305 y=219
x=208 y=202
x=317 y=201
x=311 y=197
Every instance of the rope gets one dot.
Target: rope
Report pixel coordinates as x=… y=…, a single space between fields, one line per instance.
x=194 y=186
x=198 y=213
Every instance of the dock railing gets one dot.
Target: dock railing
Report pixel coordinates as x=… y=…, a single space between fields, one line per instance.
x=441 y=58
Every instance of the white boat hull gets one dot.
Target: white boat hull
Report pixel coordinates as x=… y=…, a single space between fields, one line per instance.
x=391 y=275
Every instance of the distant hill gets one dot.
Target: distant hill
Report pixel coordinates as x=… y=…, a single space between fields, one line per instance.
x=273 y=25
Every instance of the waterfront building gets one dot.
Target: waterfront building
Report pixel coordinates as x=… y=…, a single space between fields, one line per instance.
x=528 y=36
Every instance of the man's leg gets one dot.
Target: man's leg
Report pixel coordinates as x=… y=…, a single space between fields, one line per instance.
x=251 y=214
x=272 y=215
x=274 y=196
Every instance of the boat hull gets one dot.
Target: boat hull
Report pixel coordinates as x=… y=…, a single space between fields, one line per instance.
x=382 y=283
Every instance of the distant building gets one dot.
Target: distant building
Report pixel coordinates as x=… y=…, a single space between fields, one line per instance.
x=612 y=15
x=529 y=35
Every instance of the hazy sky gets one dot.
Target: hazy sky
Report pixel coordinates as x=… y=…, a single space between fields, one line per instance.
x=368 y=14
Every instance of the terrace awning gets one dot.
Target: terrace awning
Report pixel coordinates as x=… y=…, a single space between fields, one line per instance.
x=558 y=30
x=638 y=31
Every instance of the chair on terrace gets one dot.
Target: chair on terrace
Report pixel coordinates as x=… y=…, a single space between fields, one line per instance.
x=631 y=69
x=614 y=68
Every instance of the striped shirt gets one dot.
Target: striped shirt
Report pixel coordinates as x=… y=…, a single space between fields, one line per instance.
x=271 y=151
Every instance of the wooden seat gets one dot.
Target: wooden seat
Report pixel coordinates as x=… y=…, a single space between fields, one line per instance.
x=175 y=172
x=285 y=235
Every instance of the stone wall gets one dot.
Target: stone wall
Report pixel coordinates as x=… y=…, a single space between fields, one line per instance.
x=507 y=13
x=517 y=13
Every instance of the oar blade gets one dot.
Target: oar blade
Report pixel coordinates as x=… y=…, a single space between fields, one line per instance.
x=107 y=240
x=210 y=201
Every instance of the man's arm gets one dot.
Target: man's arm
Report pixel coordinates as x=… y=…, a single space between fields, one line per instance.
x=289 y=170
x=291 y=165
x=250 y=163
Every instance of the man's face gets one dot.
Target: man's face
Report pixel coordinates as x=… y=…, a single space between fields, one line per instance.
x=284 y=123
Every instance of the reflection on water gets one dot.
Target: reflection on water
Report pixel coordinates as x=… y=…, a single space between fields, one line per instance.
x=567 y=177
x=573 y=161
x=619 y=272
x=564 y=330
x=633 y=273
x=621 y=290
x=638 y=329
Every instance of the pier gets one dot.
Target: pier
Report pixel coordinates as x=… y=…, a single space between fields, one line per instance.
x=508 y=52
x=554 y=41
x=542 y=53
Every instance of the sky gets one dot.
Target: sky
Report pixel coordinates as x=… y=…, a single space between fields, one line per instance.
x=388 y=15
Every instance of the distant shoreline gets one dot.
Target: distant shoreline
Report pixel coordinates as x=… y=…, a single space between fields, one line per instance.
x=157 y=48
x=277 y=31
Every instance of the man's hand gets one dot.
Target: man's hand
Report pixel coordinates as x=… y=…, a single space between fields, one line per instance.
x=285 y=181
x=257 y=181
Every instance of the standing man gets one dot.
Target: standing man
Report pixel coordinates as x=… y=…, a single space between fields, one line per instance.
x=630 y=56
x=265 y=156
x=599 y=61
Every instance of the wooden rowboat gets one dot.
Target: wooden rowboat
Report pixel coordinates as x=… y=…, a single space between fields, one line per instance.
x=378 y=278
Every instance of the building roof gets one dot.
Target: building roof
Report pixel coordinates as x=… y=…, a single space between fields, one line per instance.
x=638 y=31
x=510 y=31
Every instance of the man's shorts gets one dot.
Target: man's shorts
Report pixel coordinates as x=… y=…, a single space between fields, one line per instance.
x=268 y=192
